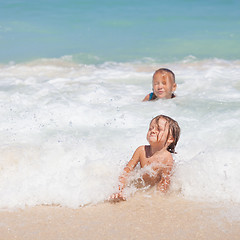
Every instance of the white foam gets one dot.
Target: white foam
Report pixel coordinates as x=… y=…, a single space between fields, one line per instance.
x=210 y=176
x=67 y=129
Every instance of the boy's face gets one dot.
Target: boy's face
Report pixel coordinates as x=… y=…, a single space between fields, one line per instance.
x=163 y=85
x=158 y=132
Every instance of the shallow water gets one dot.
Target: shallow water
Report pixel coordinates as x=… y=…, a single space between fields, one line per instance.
x=72 y=78
x=67 y=129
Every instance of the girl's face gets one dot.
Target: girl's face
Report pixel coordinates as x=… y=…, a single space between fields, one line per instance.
x=158 y=132
x=163 y=85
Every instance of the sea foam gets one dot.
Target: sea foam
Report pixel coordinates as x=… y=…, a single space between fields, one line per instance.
x=67 y=129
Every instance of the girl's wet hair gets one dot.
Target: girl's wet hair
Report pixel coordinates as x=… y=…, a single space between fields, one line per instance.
x=173 y=130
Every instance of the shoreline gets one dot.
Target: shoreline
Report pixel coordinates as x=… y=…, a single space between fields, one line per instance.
x=140 y=217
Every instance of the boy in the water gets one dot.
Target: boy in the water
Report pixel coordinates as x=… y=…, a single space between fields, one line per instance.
x=163 y=85
x=163 y=135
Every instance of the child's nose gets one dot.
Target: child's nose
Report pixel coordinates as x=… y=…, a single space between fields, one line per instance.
x=153 y=130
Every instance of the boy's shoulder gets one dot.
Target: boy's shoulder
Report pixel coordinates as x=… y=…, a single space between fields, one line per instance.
x=146 y=98
x=149 y=97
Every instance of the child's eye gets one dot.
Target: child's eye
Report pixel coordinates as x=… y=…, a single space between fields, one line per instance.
x=164 y=83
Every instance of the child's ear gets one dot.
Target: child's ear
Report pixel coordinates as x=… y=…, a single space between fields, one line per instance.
x=174 y=87
x=170 y=140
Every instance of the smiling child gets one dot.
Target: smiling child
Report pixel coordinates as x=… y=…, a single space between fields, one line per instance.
x=163 y=84
x=163 y=135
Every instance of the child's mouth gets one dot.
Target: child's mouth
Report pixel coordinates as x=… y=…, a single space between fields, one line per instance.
x=153 y=135
x=160 y=92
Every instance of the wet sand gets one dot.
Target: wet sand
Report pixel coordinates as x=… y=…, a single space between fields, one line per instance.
x=140 y=217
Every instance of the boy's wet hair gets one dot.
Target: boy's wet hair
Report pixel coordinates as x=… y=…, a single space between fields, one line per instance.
x=173 y=130
x=162 y=70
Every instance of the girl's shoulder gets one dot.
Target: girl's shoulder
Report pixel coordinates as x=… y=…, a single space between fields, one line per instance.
x=143 y=149
x=168 y=158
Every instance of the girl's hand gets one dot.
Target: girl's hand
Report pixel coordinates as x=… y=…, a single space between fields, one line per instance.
x=116 y=197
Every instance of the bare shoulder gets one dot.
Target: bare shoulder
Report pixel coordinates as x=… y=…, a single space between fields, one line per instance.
x=138 y=152
x=141 y=149
x=168 y=159
x=146 y=98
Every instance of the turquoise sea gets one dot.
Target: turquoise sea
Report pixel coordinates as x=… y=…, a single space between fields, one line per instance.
x=119 y=30
x=72 y=78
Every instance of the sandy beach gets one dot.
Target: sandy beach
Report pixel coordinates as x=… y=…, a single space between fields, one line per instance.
x=140 y=217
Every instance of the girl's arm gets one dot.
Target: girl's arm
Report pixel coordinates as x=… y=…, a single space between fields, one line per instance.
x=123 y=178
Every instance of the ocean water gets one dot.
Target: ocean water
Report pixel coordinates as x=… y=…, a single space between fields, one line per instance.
x=72 y=78
x=119 y=30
